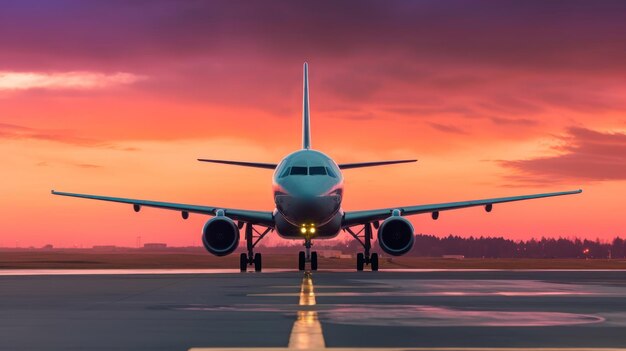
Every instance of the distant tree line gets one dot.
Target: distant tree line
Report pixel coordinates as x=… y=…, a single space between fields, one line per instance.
x=499 y=247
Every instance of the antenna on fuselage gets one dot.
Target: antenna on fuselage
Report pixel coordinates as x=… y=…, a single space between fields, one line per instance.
x=306 y=119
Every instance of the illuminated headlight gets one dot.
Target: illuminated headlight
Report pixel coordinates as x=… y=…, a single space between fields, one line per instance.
x=308 y=228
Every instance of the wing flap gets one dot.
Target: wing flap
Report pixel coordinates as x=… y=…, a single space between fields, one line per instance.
x=358 y=217
x=256 y=217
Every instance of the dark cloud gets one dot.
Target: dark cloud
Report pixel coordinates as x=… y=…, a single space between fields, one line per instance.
x=531 y=34
x=510 y=57
x=585 y=155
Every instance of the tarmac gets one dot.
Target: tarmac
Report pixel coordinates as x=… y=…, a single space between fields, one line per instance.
x=414 y=309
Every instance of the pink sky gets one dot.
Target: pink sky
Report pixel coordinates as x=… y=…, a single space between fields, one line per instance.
x=494 y=99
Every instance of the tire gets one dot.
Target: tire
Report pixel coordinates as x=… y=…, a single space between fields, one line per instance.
x=314 y=260
x=257 y=262
x=301 y=260
x=243 y=262
x=374 y=262
x=360 y=261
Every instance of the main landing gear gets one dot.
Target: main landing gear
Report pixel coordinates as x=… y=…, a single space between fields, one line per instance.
x=365 y=258
x=307 y=256
x=252 y=258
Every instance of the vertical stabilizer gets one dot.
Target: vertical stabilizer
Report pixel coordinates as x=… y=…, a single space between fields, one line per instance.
x=306 y=120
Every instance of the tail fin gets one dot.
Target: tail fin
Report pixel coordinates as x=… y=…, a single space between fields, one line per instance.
x=306 y=119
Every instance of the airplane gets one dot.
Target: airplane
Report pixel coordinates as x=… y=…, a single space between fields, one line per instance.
x=308 y=192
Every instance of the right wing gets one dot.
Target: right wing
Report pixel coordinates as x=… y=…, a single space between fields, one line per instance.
x=265 y=218
x=241 y=163
x=360 y=217
x=371 y=164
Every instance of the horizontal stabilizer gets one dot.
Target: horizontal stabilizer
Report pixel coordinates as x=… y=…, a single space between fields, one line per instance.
x=240 y=163
x=372 y=164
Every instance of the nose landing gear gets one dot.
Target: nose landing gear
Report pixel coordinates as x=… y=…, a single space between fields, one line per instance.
x=307 y=256
x=365 y=258
x=251 y=258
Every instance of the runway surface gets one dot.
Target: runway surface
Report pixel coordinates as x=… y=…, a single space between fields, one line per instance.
x=148 y=310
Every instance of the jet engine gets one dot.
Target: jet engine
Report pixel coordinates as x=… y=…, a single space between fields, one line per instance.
x=220 y=236
x=395 y=235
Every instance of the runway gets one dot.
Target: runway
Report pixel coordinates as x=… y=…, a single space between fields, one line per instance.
x=165 y=310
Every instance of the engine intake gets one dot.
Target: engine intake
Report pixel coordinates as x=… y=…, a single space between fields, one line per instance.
x=220 y=236
x=395 y=236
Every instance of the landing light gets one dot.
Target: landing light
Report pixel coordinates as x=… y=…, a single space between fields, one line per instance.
x=308 y=228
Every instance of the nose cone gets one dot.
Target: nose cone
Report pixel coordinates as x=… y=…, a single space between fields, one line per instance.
x=308 y=210
x=308 y=186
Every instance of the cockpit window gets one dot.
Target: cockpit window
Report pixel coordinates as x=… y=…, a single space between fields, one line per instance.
x=317 y=170
x=330 y=172
x=298 y=171
x=285 y=172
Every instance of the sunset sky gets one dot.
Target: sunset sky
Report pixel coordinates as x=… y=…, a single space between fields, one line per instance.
x=494 y=98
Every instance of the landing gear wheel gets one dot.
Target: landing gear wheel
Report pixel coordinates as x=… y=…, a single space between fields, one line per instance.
x=243 y=262
x=314 y=260
x=360 y=261
x=301 y=260
x=257 y=262
x=374 y=262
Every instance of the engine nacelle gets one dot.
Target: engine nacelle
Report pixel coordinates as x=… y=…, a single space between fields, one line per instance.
x=395 y=236
x=220 y=236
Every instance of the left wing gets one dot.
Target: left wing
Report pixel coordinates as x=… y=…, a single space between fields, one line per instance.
x=241 y=163
x=255 y=217
x=361 y=217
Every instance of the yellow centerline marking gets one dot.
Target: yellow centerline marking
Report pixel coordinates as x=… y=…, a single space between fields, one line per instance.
x=307 y=330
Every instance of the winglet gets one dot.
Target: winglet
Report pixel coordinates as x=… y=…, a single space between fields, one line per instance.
x=306 y=119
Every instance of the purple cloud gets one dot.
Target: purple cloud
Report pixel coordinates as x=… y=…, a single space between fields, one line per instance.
x=586 y=155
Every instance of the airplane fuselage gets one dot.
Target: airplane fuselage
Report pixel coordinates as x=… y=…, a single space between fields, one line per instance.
x=308 y=189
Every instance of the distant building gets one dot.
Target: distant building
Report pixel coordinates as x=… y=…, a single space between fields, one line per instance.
x=155 y=246
x=454 y=257
x=104 y=247
x=329 y=253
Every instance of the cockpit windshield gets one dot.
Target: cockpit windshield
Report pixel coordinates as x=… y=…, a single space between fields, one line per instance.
x=298 y=170
x=317 y=170
x=313 y=171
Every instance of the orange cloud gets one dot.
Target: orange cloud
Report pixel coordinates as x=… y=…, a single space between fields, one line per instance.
x=63 y=80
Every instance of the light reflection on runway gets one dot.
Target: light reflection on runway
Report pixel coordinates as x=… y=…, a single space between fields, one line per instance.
x=415 y=316
x=434 y=316
x=306 y=333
